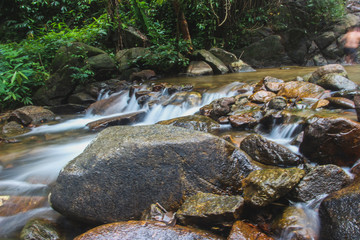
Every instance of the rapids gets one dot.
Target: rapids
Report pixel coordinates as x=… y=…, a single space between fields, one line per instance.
x=28 y=167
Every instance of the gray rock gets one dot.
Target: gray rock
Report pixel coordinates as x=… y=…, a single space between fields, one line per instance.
x=126 y=169
x=336 y=82
x=217 y=65
x=199 y=68
x=321 y=180
x=226 y=57
x=339 y=214
x=193 y=122
x=268 y=152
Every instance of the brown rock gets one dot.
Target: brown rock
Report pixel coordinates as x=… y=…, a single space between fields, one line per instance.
x=245 y=231
x=31 y=115
x=125 y=119
x=11 y=205
x=331 y=141
x=340 y=102
x=144 y=230
x=262 y=96
x=295 y=89
x=243 y=121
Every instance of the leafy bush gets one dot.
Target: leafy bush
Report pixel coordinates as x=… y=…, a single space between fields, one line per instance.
x=19 y=76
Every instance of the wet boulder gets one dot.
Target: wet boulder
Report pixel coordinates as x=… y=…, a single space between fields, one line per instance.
x=193 y=122
x=100 y=107
x=296 y=223
x=207 y=209
x=268 y=152
x=246 y=120
x=11 y=205
x=336 y=82
x=339 y=214
x=192 y=99
x=217 y=65
x=323 y=70
x=31 y=115
x=245 y=231
x=126 y=169
x=143 y=75
x=199 y=68
x=81 y=98
x=262 y=187
x=40 y=229
x=321 y=180
x=295 y=89
x=144 y=230
x=331 y=141
x=226 y=57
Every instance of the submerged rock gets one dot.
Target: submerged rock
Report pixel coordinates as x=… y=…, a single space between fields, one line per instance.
x=144 y=230
x=126 y=169
x=340 y=215
x=262 y=187
x=125 y=119
x=331 y=141
x=40 y=229
x=193 y=122
x=207 y=209
x=268 y=152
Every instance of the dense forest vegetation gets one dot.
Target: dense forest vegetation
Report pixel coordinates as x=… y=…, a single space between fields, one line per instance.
x=32 y=31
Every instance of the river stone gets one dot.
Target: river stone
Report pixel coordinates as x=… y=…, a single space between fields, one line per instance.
x=199 y=68
x=13 y=128
x=340 y=102
x=207 y=209
x=81 y=98
x=218 y=108
x=125 y=119
x=331 y=141
x=126 y=169
x=144 y=230
x=241 y=66
x=40 y=229
x=349 y=94
x=32 y=115
x=268 y=152
x=192 y=99
x=99 y=107
x=124 y=57
x=11 y=205
x=142 y=75
x=294 y=223
x=278 y=103
x=262 y=96
x=295 y=89
x=243 y=121
x=340 y=215
x=193 y=122
x=217 y=65
x=336 y=82
x=330 y=68
x=245 y=231
x=321 y=180
x=320 y=104
x=262 y=187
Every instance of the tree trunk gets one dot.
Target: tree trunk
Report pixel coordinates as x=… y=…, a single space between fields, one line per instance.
x=113 y=12
x=182 y=25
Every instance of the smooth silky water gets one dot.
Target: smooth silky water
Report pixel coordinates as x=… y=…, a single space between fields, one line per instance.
x=30 y=166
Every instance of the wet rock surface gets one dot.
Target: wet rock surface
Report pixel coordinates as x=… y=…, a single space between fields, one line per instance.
x=268 y=152
x=340 y=215
x=31 y=115
x=194 y=122
x=321 y=180
x=40 y=229
x=206 y=210
x=262 y=187
x=149 y=164
x=245 y=231
x=331 y=141
x=143 y=230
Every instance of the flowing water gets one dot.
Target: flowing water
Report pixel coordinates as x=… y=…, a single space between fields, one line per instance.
x=28 y=167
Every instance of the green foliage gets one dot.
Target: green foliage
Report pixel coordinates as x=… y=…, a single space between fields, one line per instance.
x=19 y=76
x=165 y=58
x=23 y=18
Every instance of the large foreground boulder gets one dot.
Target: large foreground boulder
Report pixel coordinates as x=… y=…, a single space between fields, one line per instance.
x=126 y=169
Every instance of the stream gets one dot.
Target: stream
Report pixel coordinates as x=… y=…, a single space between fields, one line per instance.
x=30 y=166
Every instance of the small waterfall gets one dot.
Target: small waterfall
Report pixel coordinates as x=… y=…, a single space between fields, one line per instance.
x=309 y=223
x=284 y=134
